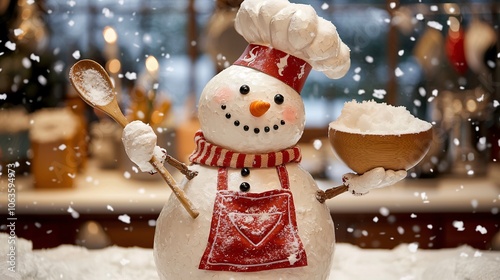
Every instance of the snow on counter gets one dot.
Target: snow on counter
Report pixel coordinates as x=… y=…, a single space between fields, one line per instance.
x=350 y=262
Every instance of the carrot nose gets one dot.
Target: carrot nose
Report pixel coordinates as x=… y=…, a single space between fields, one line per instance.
x=259 y=108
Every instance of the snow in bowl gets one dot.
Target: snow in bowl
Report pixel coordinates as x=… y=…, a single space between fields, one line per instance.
x=369 y=134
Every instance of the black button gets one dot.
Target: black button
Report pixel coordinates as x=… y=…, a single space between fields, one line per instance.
x=244 y=187
x=245 y=172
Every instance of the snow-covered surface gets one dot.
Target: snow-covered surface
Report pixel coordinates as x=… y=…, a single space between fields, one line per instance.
x=371 y=117
x=404 y=262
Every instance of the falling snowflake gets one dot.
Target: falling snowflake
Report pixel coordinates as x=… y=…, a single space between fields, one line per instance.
x=131 y=75
x=18 y=31
x=401 y=230
x=110 y=208
x=76 y=54
x=424 y=197
x=35 y=57
x=379 y=93
x=73 y=213
x=435 y=25
x=317 y=144
x=398 y=72
x=481 y=229
x=42 y=80
x=491 y=63
x=107 y=13
x=59 y=66
x=474 y=203
x=384 y=211
x=124 y=218
x=10 y=45
x=26 y=63
x=459 y=225
x=422 y=91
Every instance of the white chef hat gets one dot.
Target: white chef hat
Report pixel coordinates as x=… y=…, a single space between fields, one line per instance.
x=287 y=40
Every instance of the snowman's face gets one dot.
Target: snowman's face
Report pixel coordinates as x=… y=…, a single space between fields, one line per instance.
x=247 y=111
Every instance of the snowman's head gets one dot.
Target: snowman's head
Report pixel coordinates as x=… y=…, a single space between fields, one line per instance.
x=254 y=106
x=245 y=110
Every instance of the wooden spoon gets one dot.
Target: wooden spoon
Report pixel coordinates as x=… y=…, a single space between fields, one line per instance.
x=94 y=86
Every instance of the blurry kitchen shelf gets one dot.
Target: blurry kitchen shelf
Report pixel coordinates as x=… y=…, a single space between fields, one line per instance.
x=444 y=194
x=100 y=191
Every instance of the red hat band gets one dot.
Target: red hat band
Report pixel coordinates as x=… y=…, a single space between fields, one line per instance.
x=287 y=68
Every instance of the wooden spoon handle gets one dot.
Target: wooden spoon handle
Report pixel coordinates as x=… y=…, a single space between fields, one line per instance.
x=179 y=193
x=113 y=110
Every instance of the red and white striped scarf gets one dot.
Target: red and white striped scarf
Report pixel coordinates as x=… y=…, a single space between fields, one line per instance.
x=209 y=154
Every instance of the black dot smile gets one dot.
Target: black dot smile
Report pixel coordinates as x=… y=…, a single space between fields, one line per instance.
x=256 y=130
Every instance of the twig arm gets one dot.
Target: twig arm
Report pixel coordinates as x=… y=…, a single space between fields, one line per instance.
x=179 y=193
x=322 y=196
x=181 y=167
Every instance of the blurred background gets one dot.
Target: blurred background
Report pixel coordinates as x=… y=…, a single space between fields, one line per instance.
x=439 y=59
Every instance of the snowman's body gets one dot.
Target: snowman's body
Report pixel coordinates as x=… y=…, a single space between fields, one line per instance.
x=180 y=241
x=255 y=201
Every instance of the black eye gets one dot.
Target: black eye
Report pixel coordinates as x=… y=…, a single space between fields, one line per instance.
x=244 y=89
x=279 y=99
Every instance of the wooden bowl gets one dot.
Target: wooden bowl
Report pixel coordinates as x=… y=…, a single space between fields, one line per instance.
x=363 y=152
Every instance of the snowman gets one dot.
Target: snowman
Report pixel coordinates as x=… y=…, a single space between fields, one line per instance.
x=259 y=216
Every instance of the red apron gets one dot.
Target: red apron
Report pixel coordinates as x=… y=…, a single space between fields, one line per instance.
x=253 y=231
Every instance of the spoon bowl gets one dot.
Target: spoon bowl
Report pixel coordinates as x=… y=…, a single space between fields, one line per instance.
x=94 y=86
x=363 y=152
